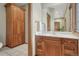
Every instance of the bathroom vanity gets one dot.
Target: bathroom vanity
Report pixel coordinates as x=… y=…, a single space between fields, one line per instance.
x=58 y=38
x=57 y=45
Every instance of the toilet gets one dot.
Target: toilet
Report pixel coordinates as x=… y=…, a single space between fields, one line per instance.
x=1 y=44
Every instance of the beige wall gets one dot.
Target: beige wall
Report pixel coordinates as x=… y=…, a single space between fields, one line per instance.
x=36 y=16
x=2 y=24
x=26 y=23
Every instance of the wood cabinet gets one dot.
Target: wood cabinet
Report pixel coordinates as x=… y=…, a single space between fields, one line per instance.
x=14 y=25
x=52 y=46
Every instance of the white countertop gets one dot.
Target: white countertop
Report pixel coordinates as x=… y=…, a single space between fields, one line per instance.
x=59 y=34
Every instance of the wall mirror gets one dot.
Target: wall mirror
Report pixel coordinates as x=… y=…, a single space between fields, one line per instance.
x=59 y=17
x=77 y=17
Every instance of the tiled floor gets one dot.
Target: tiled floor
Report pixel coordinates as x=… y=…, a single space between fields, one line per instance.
x=21 y=50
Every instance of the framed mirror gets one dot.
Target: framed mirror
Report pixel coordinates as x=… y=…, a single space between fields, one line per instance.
x=59 y=17
x=77 y=17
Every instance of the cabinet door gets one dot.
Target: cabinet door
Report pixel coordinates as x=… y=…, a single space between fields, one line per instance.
x=69 y=47
x=15 y=26
x=40 y=46
x=52 y=46
x=9 y=27
x=20 y=26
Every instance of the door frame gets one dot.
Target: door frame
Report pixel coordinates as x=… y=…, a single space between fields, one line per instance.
x=29 y=30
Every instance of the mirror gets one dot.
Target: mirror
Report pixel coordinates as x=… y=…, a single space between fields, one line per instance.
x=77 y=17
x=58 y=17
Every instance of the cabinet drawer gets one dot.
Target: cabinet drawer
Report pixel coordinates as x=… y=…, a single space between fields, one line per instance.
x=68 y=47
x=69 y=42
x=53 y=41
x=70 y=52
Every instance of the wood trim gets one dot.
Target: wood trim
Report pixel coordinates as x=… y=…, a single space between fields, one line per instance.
x=29 y=31
x=8 y=4
x=78 y=47
x=74 y=16
x=13 y=4
x=77 y=33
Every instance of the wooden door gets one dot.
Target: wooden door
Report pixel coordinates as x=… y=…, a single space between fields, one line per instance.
x=18 y=26
x=48 y=22
x=56 y=26
x=52 y=47
x=9 y=25
x=69 y=47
